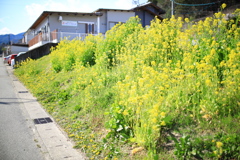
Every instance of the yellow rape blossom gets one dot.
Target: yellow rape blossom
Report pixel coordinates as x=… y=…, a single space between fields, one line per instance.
x=125 y=112
x=223 y=5
x=186 y=20
x=155 y=128
x=163 y=114
x=154 y=120
x=163 y=123
x=219 y=144
x=208 y=82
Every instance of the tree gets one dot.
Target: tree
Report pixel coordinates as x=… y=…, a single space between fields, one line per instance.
x=190 y=8
x=165 y=5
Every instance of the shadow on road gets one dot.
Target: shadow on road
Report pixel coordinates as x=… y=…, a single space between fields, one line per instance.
x=6 y=102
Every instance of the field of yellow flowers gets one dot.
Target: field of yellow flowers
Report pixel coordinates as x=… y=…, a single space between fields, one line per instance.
x=170 y=90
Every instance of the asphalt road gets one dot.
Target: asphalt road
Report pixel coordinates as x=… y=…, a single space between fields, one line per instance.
x=17 y=140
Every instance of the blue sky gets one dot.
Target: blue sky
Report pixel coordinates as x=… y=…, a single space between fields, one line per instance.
x=17 y=16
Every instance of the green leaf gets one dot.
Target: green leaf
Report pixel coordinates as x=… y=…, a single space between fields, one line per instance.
x=194 y=152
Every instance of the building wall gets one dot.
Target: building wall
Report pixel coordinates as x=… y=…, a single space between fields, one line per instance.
x=27 y=37
x=76 y=26
x=148 y=18
x=44 y=23
x=103 y=22
x=145 y=17
x=114 y=17
x=76 y=23
x=71 y=26
x=151 y=9
x=17 y=49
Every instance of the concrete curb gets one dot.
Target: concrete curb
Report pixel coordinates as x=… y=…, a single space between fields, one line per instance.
x=50 y=138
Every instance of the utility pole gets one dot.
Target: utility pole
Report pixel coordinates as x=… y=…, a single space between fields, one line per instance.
x=9 y=39
x=135 y=2
x=172 y=7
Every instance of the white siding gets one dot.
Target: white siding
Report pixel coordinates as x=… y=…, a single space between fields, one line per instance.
x=80 y=28
x=42 y=24
x=117 y=16
x=103 y=22
x=17 y=49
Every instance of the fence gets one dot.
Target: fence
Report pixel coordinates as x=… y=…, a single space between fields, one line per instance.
x=56 y=36
x=68 y=35
x=36 y=53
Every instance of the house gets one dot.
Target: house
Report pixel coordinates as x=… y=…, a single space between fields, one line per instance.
x=148 y=12
x=51 y=26
x=15 y=48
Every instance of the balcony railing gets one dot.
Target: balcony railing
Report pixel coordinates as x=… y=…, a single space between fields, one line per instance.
x=35 y=40
x=55 y=37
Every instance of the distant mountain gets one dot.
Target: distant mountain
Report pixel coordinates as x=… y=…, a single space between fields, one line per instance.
x=6 y=38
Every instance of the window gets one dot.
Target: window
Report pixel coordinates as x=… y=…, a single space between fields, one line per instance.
x=89 y=28
x=112 y=24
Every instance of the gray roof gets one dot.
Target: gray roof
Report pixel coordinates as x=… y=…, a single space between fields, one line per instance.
x=96 y=12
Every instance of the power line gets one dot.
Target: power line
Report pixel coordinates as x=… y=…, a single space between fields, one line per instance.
x=205 y=5
x=194 y=5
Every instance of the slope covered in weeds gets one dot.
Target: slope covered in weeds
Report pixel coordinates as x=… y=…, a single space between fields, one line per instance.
x=146 y=93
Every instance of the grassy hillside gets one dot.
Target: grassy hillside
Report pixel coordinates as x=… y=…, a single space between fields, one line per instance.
x=159 y=92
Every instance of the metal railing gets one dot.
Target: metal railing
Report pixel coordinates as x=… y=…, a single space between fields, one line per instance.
x=35 y=40
x=56 y=37
x=69 y=36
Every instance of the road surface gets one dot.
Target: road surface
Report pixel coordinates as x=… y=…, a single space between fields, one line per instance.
x=27 y=132
x=16 y=137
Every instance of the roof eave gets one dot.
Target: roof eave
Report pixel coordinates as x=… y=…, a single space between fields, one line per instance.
x=161 y=11
x=46 y=13
x=39 y=20
x=108 y=9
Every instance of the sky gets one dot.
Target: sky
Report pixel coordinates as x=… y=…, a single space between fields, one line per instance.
x=16 y=16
